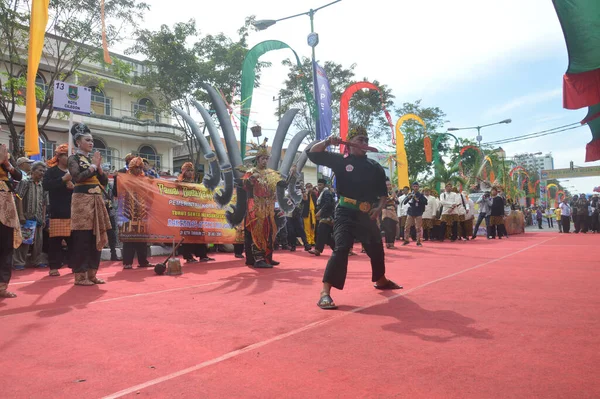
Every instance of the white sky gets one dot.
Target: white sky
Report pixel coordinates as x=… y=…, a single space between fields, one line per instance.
x=436 y=50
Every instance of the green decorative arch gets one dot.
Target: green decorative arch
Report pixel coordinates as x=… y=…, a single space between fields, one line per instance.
x=248 y=77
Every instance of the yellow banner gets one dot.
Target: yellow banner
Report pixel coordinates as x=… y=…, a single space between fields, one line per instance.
x=37 y=31
x=401 y=159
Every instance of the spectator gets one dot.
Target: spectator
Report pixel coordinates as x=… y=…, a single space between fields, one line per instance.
x=557 y=213
x=565 y=215
x=58 y=183
x=24 y=165
x=581 y=213
x=32 y=206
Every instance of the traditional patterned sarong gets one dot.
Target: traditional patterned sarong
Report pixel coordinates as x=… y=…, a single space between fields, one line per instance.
x=496 y=220
x=89 y=213
x=451 y=218
x=9 y=216
x=60 y=228
x=427 y=224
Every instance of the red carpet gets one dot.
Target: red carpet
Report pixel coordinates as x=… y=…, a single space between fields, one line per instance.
x=515 y=318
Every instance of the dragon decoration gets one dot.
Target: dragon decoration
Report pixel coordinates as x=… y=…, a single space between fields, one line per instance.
x=226 y=164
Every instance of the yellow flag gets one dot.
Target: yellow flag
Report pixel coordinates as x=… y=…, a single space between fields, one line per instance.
x=401 y=158
x=107 y=58
x=37 y=31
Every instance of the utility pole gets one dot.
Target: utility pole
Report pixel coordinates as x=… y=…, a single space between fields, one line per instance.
x=279 y=106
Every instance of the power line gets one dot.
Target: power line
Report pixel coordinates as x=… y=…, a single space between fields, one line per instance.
x=537 y=134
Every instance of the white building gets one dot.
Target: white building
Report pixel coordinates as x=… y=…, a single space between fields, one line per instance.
x=534 y=161
x=120 y=122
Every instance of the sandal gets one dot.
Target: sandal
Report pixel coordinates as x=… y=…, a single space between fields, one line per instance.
x=389 y=285
x=326 y=303
x=7 y=294
x=54 y=273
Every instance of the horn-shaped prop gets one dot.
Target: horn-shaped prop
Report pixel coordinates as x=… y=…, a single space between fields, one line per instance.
x=230 y=140
x=224 y=197
x=285 y=203
x=236 y=216
x=290 y=153
x=294 y=176
x=282 y=130
x=211 y=180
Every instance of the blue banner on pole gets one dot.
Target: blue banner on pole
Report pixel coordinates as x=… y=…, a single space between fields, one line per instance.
x=39 y=156
x=324 y=103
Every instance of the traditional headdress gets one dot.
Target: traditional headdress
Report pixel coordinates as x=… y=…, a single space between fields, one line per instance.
x=258 y=150
x=78 y=130
x=136 y=162
x=186 y=166
x=60 y=150
x=357 y=131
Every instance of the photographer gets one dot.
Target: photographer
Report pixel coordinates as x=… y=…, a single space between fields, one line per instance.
x=485 y=210
x=416 y=202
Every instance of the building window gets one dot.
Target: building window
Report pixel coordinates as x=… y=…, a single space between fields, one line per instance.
x=48 y=147
x=144 y=109
x=107 y=153
x=101 y=105
x=150 y=154
x=41 y=83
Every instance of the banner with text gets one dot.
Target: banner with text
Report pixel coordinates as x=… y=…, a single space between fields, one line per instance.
x=156 y=210
x=323 y=102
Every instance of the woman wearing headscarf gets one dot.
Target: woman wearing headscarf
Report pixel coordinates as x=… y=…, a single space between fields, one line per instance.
x=188 y=251
x=91 y=221
x=10 y=228
x=58 y=182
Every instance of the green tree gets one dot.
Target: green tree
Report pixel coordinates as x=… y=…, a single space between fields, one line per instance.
x=448 y=175
x=364 y=109
x=180 y=59
x=73 y=36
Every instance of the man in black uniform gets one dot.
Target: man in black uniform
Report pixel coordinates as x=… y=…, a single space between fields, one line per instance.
x=362 y=194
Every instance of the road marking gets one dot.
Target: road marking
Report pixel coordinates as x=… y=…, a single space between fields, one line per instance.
x=307 y=327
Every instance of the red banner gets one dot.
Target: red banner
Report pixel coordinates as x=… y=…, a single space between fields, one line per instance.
x=156 y=210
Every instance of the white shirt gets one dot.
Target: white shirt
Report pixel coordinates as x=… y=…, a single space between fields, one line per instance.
x=431 y=207
x=402 y=208
x=449 y=200
x=471 y=211
x=565 y=209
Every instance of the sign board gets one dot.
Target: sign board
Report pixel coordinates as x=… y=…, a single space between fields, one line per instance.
x=588 y=171
x=72 y=98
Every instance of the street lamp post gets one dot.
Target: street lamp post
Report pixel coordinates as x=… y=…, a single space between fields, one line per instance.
x=452 y=129
x=313 y=41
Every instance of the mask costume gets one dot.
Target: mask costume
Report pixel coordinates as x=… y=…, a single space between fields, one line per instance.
x=260 y=192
